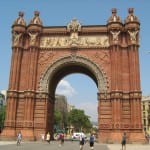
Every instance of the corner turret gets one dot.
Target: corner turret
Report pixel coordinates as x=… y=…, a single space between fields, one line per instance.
x=132 y=27
x=115 y=27
x=34 y=29
x=18 y=29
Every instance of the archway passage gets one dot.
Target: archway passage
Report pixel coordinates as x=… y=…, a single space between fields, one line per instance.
x=41 y=56
x=80 y=92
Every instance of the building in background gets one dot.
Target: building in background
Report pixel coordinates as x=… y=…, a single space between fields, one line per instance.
x=2 y=99
x=62 y=106
x=61 y=103
x=146 y=113
x=2 y=110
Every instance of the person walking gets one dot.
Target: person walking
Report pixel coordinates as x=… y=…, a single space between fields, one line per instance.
x=91 y=141
x=82 y=141
x=48 y=137
x=19 y=138
x=42 y=137
x=123 y=142
x=61 y=138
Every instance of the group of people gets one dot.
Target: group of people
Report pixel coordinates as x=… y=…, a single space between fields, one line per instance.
x=60 y=137
x=81 y=138
x=91 y=141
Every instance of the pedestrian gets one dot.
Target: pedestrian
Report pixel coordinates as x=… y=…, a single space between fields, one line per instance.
x=19 y=138
x=48 y=137
x=147 y=136
x=82 y=141
x=91 y=141
x=61 y=138
x=123 y=142
x=42 y=137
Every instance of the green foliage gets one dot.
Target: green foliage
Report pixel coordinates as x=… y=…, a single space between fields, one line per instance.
x=79 y=120
x=57 y=117
x=2 y=116
x=60 y=119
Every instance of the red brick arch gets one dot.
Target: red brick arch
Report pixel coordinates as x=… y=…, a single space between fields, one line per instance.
x=43 y=55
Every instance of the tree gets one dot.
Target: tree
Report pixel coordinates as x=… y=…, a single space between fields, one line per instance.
x=2 y=117
x=79 y=120
x=57 y=119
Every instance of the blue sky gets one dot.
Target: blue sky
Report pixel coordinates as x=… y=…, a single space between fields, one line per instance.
x=88 y=12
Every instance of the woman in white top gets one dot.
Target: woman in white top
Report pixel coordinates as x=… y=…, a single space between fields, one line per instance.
x=48 y=137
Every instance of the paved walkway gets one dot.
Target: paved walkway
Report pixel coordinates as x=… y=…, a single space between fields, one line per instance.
x=129 y=146
x=11 y=145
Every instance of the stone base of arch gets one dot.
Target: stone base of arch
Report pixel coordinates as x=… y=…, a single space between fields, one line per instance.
x=10 y=134
x=116 y=136
x=40 y=107
x=120 y=112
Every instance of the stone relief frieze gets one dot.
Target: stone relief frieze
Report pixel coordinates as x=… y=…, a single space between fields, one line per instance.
x=81 y=41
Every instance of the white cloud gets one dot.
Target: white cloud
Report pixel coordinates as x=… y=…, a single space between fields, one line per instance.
x=65 y=88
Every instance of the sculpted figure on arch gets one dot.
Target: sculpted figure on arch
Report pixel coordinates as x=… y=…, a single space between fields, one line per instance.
x=33 y=37
x=115 y=35
x=133 y=35
x=16 y=38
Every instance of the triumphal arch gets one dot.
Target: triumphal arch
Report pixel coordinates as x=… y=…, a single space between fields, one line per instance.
x=43 y=55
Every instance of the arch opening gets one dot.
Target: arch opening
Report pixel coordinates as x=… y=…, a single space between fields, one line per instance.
x=62 y=71
x=72 y=91
x=67 y=70
x=63 y=67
